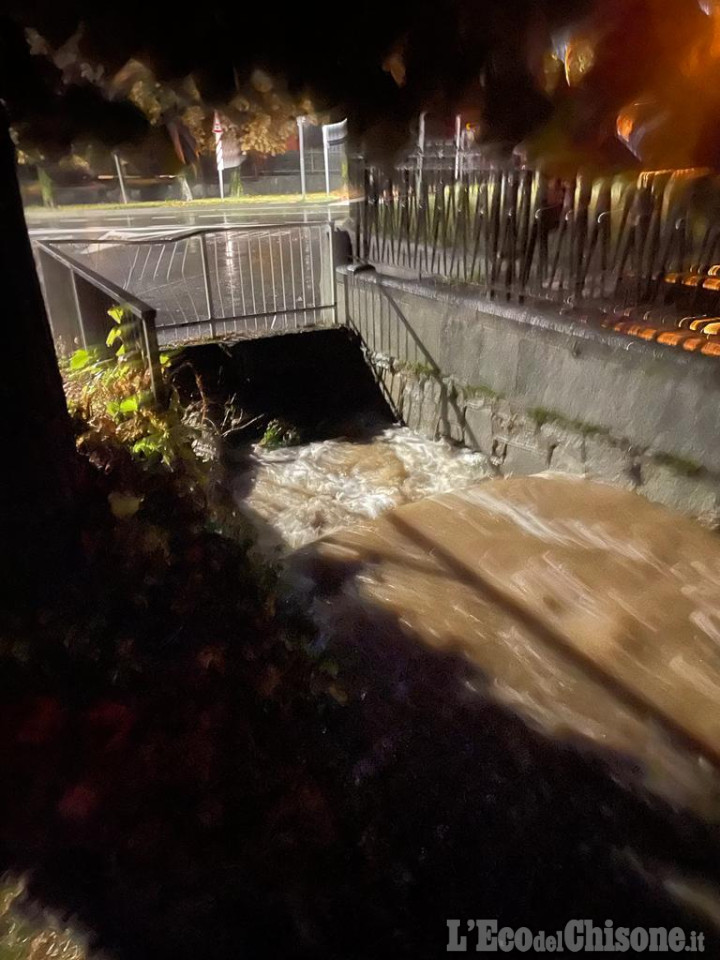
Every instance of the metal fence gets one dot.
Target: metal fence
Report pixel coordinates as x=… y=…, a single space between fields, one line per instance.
x=279 y=174
x=651 y=239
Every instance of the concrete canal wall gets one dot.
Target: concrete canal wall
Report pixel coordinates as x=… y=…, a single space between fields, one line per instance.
x=535 y=389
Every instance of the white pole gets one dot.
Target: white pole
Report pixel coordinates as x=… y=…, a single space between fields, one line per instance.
x=123 y=191
x=326 y=151
x=301 y=145
x=458 y=122
x=421 y=133
x=217 y=130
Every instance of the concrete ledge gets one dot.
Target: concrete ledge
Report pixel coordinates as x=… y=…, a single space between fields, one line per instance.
x=538 y=388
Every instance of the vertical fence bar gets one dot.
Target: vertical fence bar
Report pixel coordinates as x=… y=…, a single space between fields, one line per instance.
x=520 y=232
x=153 y=357
x=311 y=257
x=262 y=276
x=331 y=267
x=206 y=277
x=326 y=155
x=58 y=285
x=303 y=281
x=81 y=324
x=272 y=276
x=301 y=145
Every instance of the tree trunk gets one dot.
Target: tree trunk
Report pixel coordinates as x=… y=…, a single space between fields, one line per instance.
x=38 y=471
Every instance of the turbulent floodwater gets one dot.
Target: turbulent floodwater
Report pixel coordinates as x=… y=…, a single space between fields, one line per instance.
x=585 y=610
x=628 y=588
x=295 y=495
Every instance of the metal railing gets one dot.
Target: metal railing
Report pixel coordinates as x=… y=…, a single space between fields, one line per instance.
x=197 y=285
x=650 y=239
x=222 y=282
x=78 y=300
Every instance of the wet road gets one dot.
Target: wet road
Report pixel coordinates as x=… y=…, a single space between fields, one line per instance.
x=149 y=218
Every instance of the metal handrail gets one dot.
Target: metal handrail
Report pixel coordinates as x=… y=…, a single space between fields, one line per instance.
x=143 y=311
x=245 y=316
x=202 y=288
x=138 y=306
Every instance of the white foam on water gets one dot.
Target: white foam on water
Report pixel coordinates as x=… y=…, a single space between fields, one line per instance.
x=307 y=491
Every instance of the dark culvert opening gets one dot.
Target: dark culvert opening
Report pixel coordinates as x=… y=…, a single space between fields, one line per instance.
x=318 y=383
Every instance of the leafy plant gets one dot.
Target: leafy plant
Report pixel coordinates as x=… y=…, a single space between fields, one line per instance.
x=112 y=397
x=279 y=434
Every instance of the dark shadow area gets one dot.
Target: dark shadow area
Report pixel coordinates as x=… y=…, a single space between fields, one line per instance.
x=230 y=802
x=474 y=814
x=316 y=381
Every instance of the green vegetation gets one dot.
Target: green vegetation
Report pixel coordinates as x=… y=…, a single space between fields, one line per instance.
x=46 y=188
x=422 y=371
x=542 y=416
x=476 y=390
x=682 y=466
x=111 y=398
x=279 y=434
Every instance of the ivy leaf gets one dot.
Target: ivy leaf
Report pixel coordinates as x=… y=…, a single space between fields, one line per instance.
x=129 y=405
x=147 y=447
x=79 y=360
x=167 y=356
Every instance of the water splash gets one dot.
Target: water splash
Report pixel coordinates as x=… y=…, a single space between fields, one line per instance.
x=308 y=491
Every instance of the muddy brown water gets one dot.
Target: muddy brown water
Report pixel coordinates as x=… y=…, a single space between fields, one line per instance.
x=592 y=612
x=587 y=612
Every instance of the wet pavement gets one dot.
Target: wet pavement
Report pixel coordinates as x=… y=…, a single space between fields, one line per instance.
x=157 y=218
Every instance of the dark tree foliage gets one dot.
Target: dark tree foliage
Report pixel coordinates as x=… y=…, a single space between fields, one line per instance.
x=338 y=53
x=482 y=55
